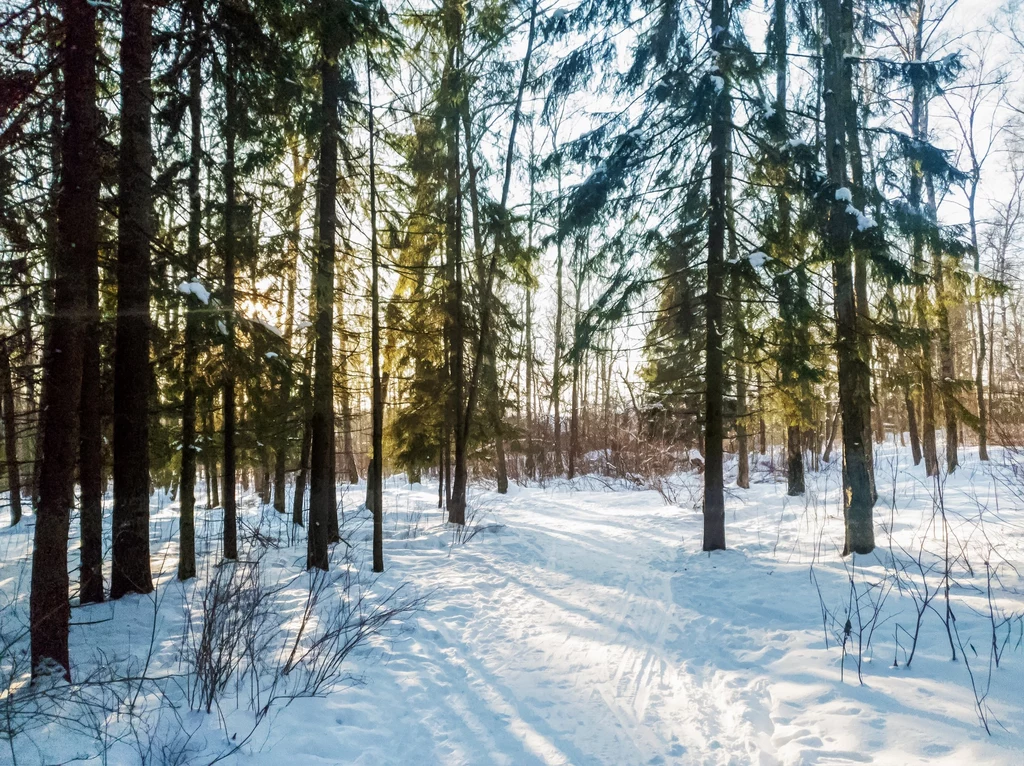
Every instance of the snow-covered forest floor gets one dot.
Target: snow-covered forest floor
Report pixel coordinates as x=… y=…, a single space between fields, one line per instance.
x=577 y=624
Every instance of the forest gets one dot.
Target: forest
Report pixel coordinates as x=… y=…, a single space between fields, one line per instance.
x=454 y=382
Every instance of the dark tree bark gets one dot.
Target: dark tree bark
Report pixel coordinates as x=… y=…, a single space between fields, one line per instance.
x=187 y=530
x=229 y=471
x=321 y=496
x=77 y=221
x=739 y=339
x=10 y=431
x=854 y=377
x=348 y=454
x=947 y=360
x=531 y=463
x=55 y=128
x=90 y=447
x=714 y=372
x=306 y=408
x=377 y=464
x=556 y=373
x=132 y=375
x=860 y=255
x=28 y=375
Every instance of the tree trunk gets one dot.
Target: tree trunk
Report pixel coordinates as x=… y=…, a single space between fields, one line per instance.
x=574 y=411
x=979 y=371
x=10 y=432
x=90 y=445
x=917 y=129
x=854 y=377
x=860 y=255
x=793 y=293
x=794 y=461
x=348 y=454
x=378 y=393
x=762 y=427
x=714 y=371
x=130 y=572
x=306 y=408
x=915 y=440
x=739 y=339
x=77 y=236
x=556 y=374
x=947 y=361
x=187 y=526
x=528 y=332
x=229 y=470
x=321 y=495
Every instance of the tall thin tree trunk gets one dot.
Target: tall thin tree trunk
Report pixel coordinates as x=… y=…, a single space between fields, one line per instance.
x=714 y=372
x=322 y=496
x=77 y=234
x=793 y=285
x=187 y=527
x=531 y=465
x=378 y=392
x=739 y=339
x=10 y=432
x=90 y=445
x=762 y=427
x=917 y=129
x=130 y=572
x=348 y=454
x=979 y=370
x=28 y=374
x=854 y=377
x=556 y=374
x=860 y=255
x=457 y=502
x=55 y=127
x=947 y=360
x=229 y=471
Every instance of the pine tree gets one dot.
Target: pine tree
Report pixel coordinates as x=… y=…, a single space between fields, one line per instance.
x=130 y=553
x=77 y=229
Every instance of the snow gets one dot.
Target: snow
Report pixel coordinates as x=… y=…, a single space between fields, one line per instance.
x=843 y=194
x=197 y=289
x=582 y=624
x=223 y=328
x=271 y=327
x=757 y=259
x=865 y=221
x=719 y=82
x=271 y=355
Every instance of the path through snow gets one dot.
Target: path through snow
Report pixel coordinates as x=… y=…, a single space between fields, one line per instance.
x=584 y=626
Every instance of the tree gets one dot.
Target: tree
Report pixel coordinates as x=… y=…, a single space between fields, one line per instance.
x=714 y=369
x=9 y=423
x=77 y=231
x=130 y=553
x=377 y=470
x=186 y=545
x=854 y=375
x=321 y=495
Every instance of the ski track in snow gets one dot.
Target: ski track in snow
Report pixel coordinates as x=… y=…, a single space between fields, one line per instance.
x=586 y=627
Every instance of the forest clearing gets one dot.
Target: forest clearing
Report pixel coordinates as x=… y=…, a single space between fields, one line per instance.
x=579 y=623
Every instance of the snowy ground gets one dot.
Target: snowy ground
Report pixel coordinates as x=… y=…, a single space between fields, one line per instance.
x=582 y=625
